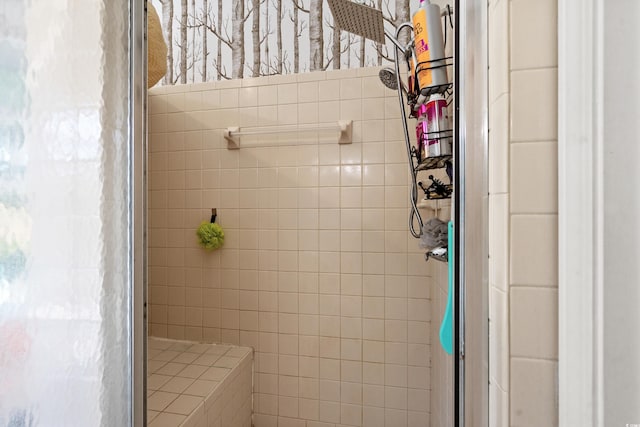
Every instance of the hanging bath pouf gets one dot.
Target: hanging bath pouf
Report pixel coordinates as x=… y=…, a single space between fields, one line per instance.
x=210 y=235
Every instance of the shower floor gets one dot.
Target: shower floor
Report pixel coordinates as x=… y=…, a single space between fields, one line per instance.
x=193 y=384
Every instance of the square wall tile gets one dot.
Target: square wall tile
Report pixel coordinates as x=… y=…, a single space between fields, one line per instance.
x=534 y=177
x=287 y=93
x=534 y=34
x=534 y=105
x=533 y=398
x=308 y=92
x=534 y=322
x=329 y=90
x=248 y=96
x=534 y=250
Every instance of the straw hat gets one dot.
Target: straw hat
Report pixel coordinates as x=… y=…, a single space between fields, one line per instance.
x=156 y=48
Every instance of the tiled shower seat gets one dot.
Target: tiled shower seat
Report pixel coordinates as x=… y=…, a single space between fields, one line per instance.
x=192 y=384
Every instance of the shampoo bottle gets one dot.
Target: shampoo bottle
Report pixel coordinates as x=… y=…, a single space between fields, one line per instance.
x=439 y=141
x=427 y=29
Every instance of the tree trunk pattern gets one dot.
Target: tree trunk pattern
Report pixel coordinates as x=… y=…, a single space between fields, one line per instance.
x=194 y=56
x=267 y=57
x=205 y=49
x=255 y=33
x=167 y=23
x=379 y=45
x=279 y=36
x=229 y=28
x=335 y=47
x=296 y=40
x=183 y=42
x=219 y=51
x=237 y=39
x=402 y=15
x=316 y=42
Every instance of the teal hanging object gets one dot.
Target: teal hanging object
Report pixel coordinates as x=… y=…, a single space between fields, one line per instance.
x=446 y=328
x=210 y=235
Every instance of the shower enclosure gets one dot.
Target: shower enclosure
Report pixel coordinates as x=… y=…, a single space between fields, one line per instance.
x=319 y=274
x=473 y=299
x=339 y=325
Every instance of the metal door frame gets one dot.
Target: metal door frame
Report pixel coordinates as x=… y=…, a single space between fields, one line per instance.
x=471 y=299
x=138 y=207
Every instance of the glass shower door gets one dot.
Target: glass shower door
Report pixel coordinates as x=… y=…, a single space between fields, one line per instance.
x=71 y=225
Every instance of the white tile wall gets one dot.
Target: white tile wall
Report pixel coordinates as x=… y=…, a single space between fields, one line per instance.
x=528 y=18
x=540 y=195
x=523 y=212
x=318 y=272
x=534 y=254
x=534 y=105
x=533 y=397
x=537 y=339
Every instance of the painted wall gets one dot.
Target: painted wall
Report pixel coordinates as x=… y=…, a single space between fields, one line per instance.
x=318 y=272
x=218 y=39
x=621 y=296
x=523 y=236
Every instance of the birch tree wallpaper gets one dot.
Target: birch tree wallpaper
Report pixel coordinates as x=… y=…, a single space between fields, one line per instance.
x=232 y=39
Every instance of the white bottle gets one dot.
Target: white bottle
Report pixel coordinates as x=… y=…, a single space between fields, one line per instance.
x=427 y=29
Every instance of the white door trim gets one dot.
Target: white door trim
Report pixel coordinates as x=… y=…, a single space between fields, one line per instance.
x=580 y=115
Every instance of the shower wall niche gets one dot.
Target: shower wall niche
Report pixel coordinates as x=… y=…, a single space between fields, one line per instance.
x=318 y=273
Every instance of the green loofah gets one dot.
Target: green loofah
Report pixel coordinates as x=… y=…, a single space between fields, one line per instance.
x=211 y=235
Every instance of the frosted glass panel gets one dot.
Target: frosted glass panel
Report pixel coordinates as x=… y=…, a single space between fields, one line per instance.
x=65 y=287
